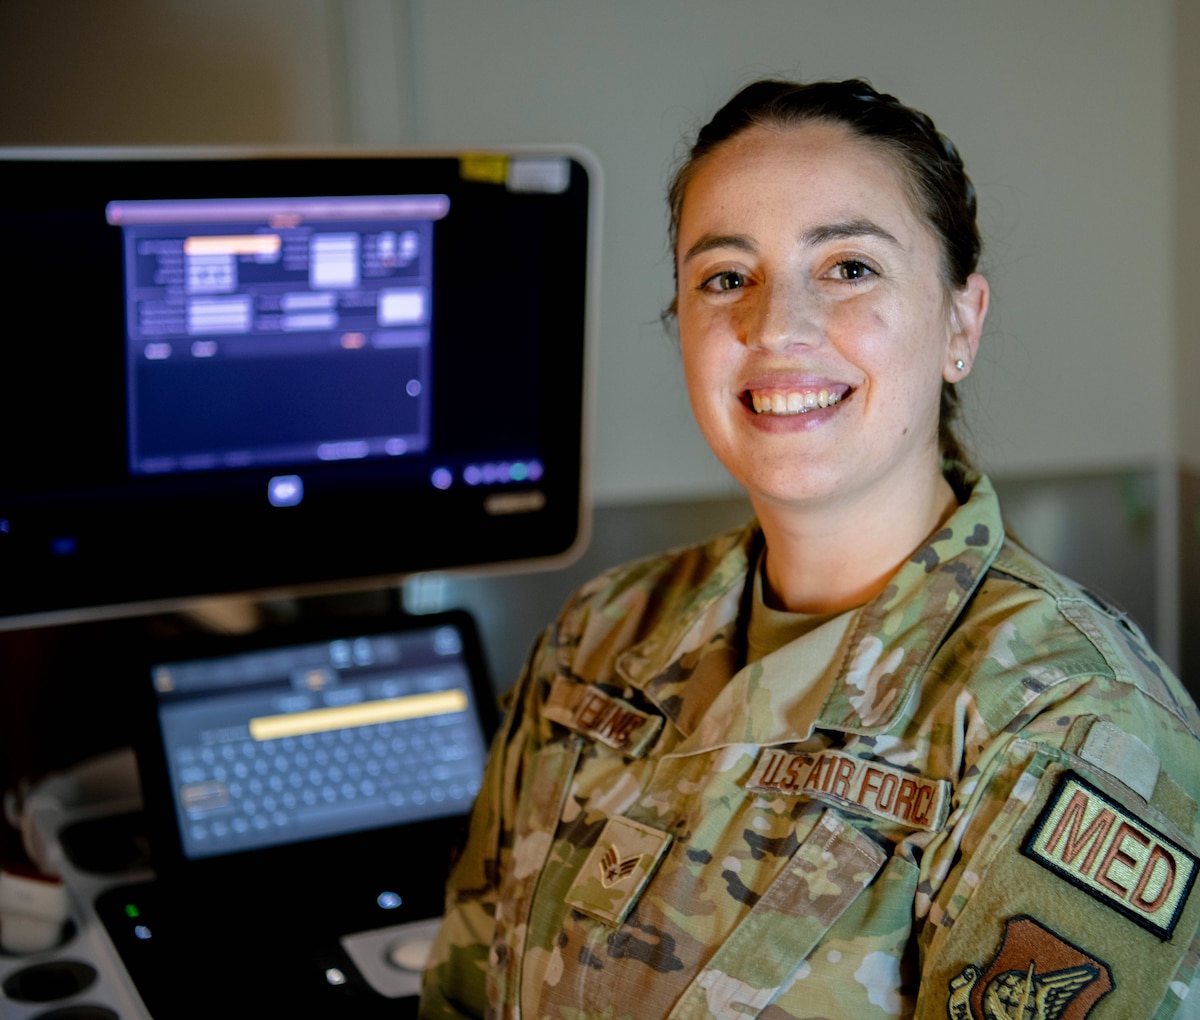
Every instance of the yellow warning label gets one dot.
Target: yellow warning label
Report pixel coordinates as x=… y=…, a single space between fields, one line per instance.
x=484 y=167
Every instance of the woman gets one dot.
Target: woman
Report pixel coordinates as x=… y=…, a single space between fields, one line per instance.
x=867 y=757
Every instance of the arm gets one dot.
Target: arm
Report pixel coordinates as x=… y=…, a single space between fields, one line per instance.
x=454 y=984
x=1062 y=879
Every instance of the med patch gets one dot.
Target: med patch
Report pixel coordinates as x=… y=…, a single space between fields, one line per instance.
x=1099 y=846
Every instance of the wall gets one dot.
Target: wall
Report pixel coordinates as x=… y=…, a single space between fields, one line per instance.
x=75 y=72
x=1067 y=114
x=1186 y=226
x=1187 y=310
x=1063 y=112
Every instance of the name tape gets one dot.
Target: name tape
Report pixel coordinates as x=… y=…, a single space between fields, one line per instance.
x=600 y=716
x=857 y=783
x=1089 y=839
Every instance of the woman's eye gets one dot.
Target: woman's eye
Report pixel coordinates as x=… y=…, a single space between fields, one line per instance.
x=727 y=280
x=852 y=269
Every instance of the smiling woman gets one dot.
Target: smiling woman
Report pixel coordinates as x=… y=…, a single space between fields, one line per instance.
x=866 y=757
x=803 y=268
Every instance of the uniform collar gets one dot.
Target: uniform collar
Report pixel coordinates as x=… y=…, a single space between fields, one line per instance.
x=887 y=647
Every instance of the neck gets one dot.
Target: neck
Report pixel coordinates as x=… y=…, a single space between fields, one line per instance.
x=827 y=558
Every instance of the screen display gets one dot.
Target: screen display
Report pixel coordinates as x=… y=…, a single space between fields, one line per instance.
x=248 y=306
x=258 y=373
x=296 y=742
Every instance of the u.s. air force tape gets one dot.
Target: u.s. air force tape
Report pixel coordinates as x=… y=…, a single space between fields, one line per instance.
x=857 y=783
x=1097 y=845
x=600 y=716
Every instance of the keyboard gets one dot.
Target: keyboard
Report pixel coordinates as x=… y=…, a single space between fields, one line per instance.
x=234 y=789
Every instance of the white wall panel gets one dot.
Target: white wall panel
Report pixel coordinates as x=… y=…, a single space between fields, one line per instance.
x=1061 y=110
x=1066 y=113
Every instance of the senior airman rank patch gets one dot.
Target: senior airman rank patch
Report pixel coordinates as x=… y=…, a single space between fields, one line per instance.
x=617 y=869
x=600 y=716
x=1034 y=976
x=1089 y=839
x=857 y=783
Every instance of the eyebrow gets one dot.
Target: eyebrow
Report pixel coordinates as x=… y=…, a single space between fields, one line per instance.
x=710 y=242
x=847 y=229
x=840 y=231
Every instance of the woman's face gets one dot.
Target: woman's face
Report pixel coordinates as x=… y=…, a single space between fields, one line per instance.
x=815 y=327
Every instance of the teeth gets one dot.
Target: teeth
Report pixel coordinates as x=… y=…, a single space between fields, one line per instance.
x=793 y=402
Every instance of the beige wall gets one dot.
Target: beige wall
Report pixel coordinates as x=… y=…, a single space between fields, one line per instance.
x=1065 y=112
x=118 y=72
x=1186 y=224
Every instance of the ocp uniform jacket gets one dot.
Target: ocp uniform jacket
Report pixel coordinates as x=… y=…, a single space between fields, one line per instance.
x=974 y=797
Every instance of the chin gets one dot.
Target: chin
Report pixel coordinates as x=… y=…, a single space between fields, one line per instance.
x=812 y=489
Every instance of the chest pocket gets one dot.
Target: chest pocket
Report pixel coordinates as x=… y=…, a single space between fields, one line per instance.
x=826 y=875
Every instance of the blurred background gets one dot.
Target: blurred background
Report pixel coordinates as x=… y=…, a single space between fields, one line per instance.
x=1075 y=121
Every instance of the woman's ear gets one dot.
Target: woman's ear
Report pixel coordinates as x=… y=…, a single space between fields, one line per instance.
x=968 y=309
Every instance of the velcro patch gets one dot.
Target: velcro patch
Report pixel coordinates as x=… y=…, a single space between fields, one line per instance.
x=612 y=721
x=857 y=783
x=617 y=869
x=1097 y=845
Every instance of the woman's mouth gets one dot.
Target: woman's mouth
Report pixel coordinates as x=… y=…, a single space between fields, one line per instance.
x=788 y=402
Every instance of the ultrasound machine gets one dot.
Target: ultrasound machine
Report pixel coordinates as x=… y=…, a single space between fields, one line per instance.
x=268 y=375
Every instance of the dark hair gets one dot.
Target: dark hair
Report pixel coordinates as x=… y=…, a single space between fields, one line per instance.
x=932 y=168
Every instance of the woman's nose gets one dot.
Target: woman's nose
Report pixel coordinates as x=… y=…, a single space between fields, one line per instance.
x=784 y=316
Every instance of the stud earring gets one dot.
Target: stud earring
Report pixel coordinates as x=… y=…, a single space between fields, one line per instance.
x=960 y=364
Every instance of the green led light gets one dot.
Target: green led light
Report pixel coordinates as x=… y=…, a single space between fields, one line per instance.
x=518 y=472
x=131 y=910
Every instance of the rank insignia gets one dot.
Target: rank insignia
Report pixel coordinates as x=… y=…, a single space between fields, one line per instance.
x=1087 y=838
x=613 y=869
x=617 y=870
x=1035 y=976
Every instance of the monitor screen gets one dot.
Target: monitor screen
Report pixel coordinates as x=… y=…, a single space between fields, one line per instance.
x=272 y=372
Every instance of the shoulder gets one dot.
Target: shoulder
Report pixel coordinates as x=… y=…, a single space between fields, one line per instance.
x=1034 y=648
x=627 y=604
x=1099 y=633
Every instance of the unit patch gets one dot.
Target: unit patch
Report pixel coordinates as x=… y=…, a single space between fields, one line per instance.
x=612 y=721
x=857 y=783
x=617 y=869
x=1035 y=976
x=1097 y=845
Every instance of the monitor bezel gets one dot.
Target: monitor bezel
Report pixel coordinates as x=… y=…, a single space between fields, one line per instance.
x=389 y=571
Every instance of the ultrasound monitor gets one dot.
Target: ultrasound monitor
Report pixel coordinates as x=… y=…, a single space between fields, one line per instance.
x=236 y=372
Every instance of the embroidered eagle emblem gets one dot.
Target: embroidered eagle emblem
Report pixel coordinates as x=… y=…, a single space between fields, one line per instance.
x=1035 y=975
x=1036 y=996
x=613 y=869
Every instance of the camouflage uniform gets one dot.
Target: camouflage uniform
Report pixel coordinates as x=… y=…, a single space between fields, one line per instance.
x=978 y=800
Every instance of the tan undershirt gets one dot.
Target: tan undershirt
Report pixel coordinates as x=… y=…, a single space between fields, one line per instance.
x=810 y=666
x=769 y=629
